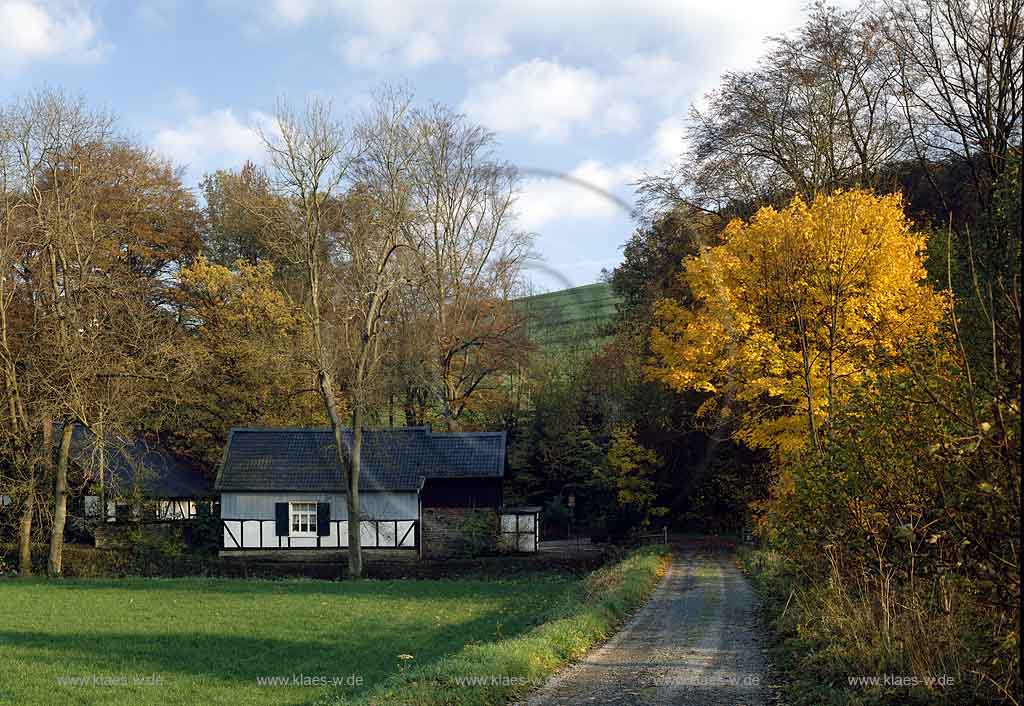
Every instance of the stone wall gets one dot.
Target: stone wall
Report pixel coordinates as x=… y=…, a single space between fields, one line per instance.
x=458 y=531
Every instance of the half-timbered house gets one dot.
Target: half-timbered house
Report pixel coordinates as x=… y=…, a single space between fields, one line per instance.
x=282 y=488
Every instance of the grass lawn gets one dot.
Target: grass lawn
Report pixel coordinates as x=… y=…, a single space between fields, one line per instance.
x=510 y=668
x=209 y=640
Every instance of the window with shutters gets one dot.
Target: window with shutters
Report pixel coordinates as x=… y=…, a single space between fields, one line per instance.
x=303 y=519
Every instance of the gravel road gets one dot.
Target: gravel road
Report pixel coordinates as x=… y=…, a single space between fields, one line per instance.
x=697 y=642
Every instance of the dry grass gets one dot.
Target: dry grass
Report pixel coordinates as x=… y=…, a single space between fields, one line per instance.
x=840 y=628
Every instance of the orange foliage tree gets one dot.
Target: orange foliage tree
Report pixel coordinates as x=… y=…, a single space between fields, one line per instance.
x=243 y=334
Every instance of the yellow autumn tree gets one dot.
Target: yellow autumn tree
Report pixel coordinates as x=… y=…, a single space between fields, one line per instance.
x=792 y=310
x=630 y=470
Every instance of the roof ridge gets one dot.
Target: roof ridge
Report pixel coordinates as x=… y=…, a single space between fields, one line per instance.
x=294 y=458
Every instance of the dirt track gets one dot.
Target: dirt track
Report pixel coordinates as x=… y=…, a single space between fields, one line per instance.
x=696 y=643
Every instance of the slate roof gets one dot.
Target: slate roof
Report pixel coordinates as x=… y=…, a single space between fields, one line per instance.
x=302 y=459
x=163 y=473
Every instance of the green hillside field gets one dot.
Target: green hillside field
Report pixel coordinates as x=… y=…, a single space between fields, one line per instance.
x=578 y=315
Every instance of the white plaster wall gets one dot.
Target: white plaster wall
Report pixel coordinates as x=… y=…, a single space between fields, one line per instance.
x=241 y=513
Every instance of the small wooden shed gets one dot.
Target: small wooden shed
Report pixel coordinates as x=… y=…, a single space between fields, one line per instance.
x=520 y=529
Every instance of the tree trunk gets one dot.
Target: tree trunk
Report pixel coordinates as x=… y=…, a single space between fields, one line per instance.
x=60 y=509
x=355 y=548
x=347 y=463
x=101 y=433
x=25 y=531
x=447 y=395
x=27 y=516
x=409 y=408
x=450 y=420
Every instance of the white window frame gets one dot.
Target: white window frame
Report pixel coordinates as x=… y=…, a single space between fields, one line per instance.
x=302 y=517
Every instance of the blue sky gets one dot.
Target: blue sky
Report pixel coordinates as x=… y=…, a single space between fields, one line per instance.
x=595 y=89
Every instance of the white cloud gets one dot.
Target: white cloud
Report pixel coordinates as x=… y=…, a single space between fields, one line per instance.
x=214 y=139
x=548 y=69
x=362 y=51
x=666 y=143
x=591 y=192
x=421 y=49
x=595 y=191
x=539 y=97
x=578 y=219
x=368 y=51
x=36 y=31
x=549 y=101
x=293 y=12
x=730 y=29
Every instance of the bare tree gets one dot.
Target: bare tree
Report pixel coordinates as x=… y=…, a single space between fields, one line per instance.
x=820 y=112
x=960 y=70
x=960 y=67
x=309 y=158
x=469 y=255
x=848 y=50
x=342 y=218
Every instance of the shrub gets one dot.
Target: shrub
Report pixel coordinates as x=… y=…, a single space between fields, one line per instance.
x=906 y=536
x=206 y=534
x=79 y=561
x=478 y=534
